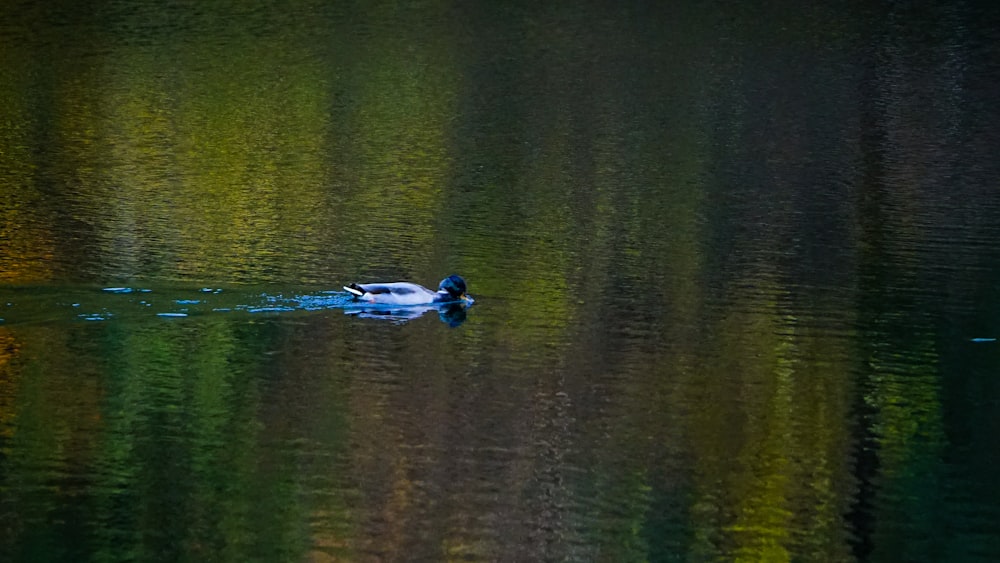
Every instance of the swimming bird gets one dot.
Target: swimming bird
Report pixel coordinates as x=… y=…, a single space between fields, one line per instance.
x=452 y=289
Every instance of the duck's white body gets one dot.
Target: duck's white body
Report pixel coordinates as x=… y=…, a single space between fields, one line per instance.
x=396 y=293
x=451 y=290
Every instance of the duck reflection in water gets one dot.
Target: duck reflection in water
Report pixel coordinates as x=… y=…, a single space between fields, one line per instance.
x=402 y=301
x=452 y=314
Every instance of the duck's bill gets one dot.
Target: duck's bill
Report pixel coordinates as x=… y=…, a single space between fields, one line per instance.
x=468 y=299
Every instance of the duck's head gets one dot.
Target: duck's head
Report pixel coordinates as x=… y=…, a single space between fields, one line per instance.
x=454 y=286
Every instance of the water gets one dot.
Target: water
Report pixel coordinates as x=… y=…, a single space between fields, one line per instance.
x=735 y=270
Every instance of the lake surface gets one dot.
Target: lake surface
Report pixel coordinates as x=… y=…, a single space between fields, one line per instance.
x=736 y=269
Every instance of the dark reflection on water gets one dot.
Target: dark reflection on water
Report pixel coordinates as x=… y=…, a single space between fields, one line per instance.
x=735 y=270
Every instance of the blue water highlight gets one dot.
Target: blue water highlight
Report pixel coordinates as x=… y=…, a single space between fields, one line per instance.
x=40 y=305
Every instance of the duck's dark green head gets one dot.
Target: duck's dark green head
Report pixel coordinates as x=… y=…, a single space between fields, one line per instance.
x=454 y=285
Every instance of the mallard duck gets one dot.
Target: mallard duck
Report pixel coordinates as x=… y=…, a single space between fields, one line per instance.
x=452 y=289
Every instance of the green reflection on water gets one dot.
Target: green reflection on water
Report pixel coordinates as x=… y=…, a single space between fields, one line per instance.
x=672 y=254
x=157 y=441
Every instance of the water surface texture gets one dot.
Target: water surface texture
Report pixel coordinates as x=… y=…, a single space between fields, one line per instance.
x=736 y=269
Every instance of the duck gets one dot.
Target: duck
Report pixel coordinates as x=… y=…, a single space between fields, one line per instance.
x=452 y=289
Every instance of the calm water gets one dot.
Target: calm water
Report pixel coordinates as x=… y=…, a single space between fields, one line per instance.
x=737 y=276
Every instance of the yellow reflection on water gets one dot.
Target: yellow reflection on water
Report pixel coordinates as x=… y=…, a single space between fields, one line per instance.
x=773 y=438
x=26 y=242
